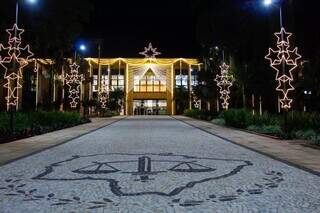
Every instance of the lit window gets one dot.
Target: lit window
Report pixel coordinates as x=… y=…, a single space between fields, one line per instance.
x=149 y=83
x=104 y=80
x=182 y=81
x=117 y=82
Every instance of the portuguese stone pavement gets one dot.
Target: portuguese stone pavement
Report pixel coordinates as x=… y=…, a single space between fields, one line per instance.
x=154 y=164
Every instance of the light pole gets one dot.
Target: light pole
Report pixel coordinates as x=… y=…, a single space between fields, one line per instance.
x=269 y=3
x=31 y=2
x=82 y=48
x=284 y=60
x=13 y=84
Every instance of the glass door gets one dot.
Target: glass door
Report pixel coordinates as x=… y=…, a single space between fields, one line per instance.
x=150 y=107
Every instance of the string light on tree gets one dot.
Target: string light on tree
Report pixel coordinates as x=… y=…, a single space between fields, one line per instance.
x=196 y=101
x=103 y=95
x=74 y=82
x=284 y=60
x=224 y=82
x=13 y=59
x=150 y=52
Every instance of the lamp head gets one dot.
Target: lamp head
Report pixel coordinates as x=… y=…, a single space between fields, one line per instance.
x=31 y=1
x=267 y=3
x=82 y=47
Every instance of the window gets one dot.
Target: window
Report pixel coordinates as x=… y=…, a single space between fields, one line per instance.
x=194 y=80
x=117 y=82
x=149 y=83
x=104 y=80
x=182 y=81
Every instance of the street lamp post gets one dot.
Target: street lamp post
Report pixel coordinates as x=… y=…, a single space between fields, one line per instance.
x=13 y=106
x=284 y=61
x=269 y=3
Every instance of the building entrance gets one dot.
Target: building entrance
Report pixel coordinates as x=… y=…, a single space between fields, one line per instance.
x=150 y=107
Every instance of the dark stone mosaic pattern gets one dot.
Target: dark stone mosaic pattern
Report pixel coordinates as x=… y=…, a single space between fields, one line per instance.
x=154 y=165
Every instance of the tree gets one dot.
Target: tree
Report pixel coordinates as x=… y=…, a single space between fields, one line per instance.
x=206 y=89
x=116 y=98
x=181 y=97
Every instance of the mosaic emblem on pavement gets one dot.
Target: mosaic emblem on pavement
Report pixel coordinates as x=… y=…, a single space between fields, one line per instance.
x=132 y=175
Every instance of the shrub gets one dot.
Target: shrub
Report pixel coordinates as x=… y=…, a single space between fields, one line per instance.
x=33 y=123
x=109 y=113
x=302 y=121
x=300 y=125
x=239 y=118
x=266 y=119
x=194 y=113
x=306 y=135
x=200 y=114
x=266 y=129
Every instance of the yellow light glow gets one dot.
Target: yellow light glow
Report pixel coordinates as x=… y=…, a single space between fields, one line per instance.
x=74 y=82
x=284 y=61
x=224 y=82
x=143 y=61
x=15 y=59
x=103 y=94
x=196 y=101
x=150 y=52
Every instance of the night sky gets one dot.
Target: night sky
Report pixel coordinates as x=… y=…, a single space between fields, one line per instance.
x=128 y=26
x=172 y=26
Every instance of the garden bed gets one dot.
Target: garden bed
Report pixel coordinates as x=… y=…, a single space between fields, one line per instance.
x=28 y=124
x=304 y=126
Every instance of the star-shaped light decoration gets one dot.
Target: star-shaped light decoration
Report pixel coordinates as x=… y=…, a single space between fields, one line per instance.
x=284 y=61
x=150 y=52
x=12 y=33
x=13 y=58
x=103 y=94
x=224 y=82
x=283 y=37
x=196 y=101
x=74 y=82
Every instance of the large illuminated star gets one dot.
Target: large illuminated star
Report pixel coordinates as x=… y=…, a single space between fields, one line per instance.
x=273 y=55
x=103 y=94
x=294 y=56
x=224 y=82
x=150 y=52
x=25 y=54
x=283 y=37
x=4 y=51
x=13 y=58
x=284 y=61
x=74 y=67
x=73 y=81
x=12 y=31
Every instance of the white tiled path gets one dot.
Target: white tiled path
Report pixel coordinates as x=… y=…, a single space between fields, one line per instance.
x=154 y=164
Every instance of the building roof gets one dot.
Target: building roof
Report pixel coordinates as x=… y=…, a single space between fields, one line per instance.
x=141 y=61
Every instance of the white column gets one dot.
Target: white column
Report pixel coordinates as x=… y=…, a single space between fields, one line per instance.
x=90 y=83
x=190 y=87
x=260 y=105
x=37 y=89
x=54 y=87
x=63 y=84
x=253 y=111
x=127 y=88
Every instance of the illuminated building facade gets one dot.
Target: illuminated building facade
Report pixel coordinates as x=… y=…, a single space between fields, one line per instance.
x=148 y=83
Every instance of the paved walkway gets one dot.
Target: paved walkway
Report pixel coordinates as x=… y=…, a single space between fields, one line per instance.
x=25 y=147
x=289 y=151
x=154 y=164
